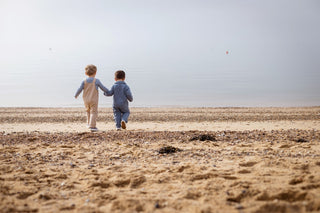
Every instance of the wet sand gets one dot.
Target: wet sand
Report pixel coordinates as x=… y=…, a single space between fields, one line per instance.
x=169 y=160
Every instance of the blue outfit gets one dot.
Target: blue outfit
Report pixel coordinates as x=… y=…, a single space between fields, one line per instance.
x=90 y=80
x=121 y=95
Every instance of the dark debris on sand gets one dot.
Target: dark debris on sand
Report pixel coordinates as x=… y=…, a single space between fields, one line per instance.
x=301 y=140
x=168 y=150
x=203 y=137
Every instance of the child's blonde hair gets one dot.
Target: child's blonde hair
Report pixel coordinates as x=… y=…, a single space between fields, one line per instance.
x=91 y=69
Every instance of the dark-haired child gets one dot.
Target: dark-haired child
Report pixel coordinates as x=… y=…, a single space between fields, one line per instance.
x=121 y=95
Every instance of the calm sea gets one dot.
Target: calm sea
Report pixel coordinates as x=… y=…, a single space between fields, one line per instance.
x=48 y=78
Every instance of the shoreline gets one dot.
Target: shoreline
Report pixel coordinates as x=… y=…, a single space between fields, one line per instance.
x=162 y=119
x=164 y=126
x=163 y=107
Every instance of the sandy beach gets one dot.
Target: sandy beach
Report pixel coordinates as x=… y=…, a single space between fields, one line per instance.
x=168 y=160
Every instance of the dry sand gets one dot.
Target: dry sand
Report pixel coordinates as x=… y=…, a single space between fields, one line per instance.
x=221 y=160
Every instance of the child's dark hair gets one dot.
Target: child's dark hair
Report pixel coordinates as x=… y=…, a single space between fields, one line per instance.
x=120 y=74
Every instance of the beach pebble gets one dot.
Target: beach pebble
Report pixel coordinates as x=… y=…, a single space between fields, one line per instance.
x=239 y=206
x=157 y=206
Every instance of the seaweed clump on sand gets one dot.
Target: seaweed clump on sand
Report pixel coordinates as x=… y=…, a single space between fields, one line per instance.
x=301 y=140
x=168 y=150
x=203 y=137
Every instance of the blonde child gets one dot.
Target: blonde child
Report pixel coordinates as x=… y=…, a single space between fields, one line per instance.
x=91 y=95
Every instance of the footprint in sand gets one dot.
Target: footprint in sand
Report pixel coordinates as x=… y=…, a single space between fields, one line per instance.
x=45 y=197
x=127 y=205
x=280 y=207
x=102 y=184
x=203 y=176
x=26 y=194
x=244 y=171
x=229 y=177
x=122 y=182
x=237 y=195
x=192 y=195
x=137 y=181
x=285 y=195
x=248 y=164
x=296 y=180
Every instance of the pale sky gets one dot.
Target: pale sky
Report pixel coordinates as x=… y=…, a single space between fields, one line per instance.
x=174 y=51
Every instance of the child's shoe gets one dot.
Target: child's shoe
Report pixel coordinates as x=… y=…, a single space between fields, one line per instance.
x=123 y=125
x=118 y=129
x=94 y=129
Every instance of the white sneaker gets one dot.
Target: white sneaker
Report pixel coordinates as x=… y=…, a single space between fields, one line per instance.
x=94 y=129
x=118 y=129
x=123 y=125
